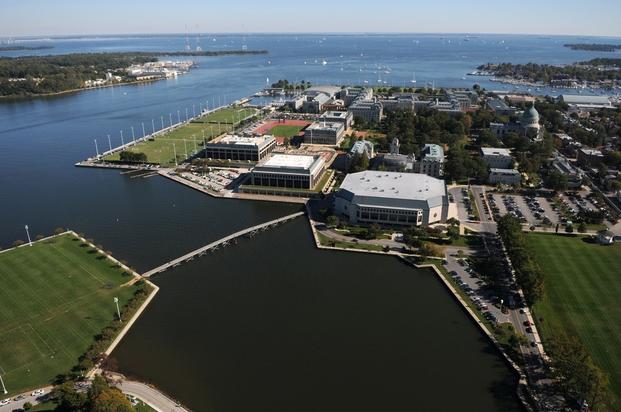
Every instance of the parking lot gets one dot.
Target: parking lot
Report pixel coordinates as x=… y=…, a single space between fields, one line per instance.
x=534 y=210
x=216 y=180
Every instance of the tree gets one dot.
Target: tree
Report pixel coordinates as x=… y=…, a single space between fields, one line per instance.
x=133 y=157
x=39 y=237
x=59 y=230
x=111 y=400
x=569 y=229
x=429 y=249
x=453 y=232
x=582 y=227
x=332 y=221
x=556 y=180
x=68 y=398
x=358 y=163
x=27 y=406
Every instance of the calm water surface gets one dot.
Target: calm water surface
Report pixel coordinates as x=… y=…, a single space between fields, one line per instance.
x=273 y=324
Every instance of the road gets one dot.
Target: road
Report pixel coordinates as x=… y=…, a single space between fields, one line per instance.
x=27 y=398
x=149 y=395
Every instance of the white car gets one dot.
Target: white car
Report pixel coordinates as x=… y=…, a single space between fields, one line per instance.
x=5 y=402
x=38 y=392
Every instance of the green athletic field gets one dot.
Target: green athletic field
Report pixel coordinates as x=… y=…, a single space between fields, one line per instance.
x=285 y=131
x=583 y=295
x=231 y=115
x=187 y=139
x=54 y=298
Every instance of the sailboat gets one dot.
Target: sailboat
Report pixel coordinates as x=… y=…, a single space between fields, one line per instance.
x=413 y=78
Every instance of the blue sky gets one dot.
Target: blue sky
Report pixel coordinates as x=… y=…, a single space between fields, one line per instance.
x=53 y=17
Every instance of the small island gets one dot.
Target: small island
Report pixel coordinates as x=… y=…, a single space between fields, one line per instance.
x=594 y=47
x=27 y=76
x=595 y=73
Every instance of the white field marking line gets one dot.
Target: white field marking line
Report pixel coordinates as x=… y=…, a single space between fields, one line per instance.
x=50 y=348
x=28 y=337
x=79 y=265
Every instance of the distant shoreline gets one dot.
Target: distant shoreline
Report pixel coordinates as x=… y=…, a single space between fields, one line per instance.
x=24 y=48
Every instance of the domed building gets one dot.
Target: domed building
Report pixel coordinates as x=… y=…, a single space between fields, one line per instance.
x=528 y=121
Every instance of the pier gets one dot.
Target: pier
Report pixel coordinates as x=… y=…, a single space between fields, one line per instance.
x=221 y=242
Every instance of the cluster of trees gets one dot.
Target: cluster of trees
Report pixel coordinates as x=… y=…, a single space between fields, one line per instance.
x=53 y=74
x=134 y=157
x=528 y=272
x=545 y=73
x=461 y=164
x=94 y=353
x=284 y=84
x=358 y=163
x=577 y=375
x=100 y=397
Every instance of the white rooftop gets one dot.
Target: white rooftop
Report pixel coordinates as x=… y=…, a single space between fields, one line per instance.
x=290 y=161
x=408 y=186
x=495 y=151
x=244 y=140
x=504 y=171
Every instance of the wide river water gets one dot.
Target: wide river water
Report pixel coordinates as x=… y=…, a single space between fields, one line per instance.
x=271 y=323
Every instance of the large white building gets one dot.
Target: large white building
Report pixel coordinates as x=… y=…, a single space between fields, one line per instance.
x=233 y=147
x=497 y=157
x=392 y=198
x=289 y=171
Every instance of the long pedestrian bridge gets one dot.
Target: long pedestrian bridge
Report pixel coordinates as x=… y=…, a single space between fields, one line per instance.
x=251 y=231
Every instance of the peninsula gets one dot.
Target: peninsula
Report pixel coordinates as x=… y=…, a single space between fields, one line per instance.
x=28 y=76
x=596 y=73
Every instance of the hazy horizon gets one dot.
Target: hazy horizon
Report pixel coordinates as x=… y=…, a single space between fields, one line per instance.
x=21 y=18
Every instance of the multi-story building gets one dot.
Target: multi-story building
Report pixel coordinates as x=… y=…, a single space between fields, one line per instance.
x=589 y=157
x=289 y=171
x=392 y=198
x=431 y=161
x=504 y=176
x=324 y=133
x=369 y=110
x=334 y=116
x=497 y=157
x=232 y=147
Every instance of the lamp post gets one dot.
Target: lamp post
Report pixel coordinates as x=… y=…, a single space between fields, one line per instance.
x=109 y=143
x=170 y=118
x=186 y=114
x=133 y=135
x=178 y=116
x=28 y=235
x=153 y=126
x=143 y=132
x=96 y=148
x=162 y=119
x=3 y=387
x=175 y=152
x=122 y=142
x=118 y=311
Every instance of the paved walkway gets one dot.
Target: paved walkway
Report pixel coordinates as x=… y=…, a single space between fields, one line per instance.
x=148 y=394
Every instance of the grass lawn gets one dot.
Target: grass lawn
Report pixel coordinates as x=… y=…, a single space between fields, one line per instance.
x=185 y=141
x=583 y=291
x=230 y=115
x=55 y=297
x=285 y=131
